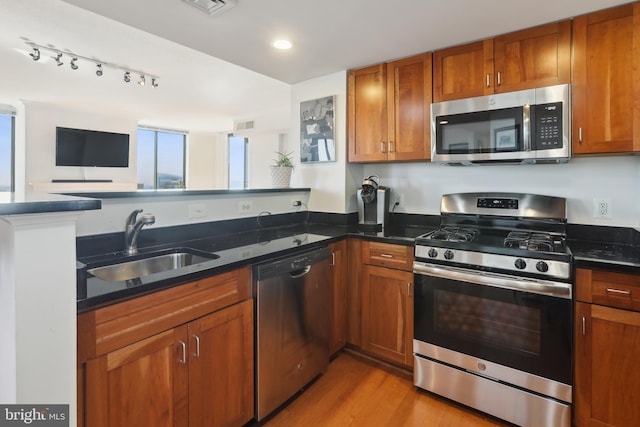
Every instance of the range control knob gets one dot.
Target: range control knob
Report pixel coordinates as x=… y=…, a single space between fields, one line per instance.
x=448 y=254
x=520 y=264
x=542 y=267
x=432 y=253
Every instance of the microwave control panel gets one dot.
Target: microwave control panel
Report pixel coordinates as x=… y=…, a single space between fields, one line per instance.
x=547 y=131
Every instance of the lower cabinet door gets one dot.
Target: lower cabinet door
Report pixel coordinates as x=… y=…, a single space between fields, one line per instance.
x=221 y=368
x=142 y=384
x=607 y=354
x=387 y=313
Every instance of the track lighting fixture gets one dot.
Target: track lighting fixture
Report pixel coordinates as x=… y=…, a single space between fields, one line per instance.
x=74 y=59
x=35 y=54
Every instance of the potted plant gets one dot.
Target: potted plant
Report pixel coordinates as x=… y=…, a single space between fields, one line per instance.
x=281 y=170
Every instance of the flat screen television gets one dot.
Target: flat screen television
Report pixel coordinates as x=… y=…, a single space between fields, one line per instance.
x=90 y=148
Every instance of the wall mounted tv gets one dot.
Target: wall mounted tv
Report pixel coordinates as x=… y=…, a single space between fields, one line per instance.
x=90 y=148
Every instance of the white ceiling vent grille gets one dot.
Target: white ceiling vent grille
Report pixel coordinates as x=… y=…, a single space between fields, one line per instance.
x=244 y=125
x=212 y=7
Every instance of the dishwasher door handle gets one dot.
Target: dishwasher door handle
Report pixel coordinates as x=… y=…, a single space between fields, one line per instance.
x=299 y=273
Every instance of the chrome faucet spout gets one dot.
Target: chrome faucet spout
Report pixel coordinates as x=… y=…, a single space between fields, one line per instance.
x=132 y=229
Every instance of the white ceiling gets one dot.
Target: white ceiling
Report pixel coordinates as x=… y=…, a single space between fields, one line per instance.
x=214 y=69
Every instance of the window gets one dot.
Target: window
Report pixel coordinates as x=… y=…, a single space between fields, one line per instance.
x=6 y=152
x=161 y=159
x=238 y=170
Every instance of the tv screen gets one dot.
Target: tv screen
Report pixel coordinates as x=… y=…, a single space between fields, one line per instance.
x=80 y=147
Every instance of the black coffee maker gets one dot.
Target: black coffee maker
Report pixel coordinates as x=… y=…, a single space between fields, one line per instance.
x=373 y=205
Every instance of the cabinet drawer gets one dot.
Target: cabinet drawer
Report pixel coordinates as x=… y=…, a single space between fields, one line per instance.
x=387 y=255
x=620 y=290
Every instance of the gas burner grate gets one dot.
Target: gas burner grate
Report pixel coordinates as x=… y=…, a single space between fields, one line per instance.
x=539 y=242
x=454 y=234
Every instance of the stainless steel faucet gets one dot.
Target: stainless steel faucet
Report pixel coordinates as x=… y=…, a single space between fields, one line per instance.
x=132 y=229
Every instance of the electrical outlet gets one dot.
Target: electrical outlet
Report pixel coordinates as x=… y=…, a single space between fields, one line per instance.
x=602 y=208
x=245 y=206
x=296 y=203
x=197 y=210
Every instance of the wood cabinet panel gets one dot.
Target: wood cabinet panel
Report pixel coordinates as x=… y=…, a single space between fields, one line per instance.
x=608 y=288
x=388 y=111
x=463 y=71
x=388 y=255
x=367 y=114
x=354 y=292
x=606 y=81
x=535 y=57
x=387 y=313
x=338 y=329
x=607 y=352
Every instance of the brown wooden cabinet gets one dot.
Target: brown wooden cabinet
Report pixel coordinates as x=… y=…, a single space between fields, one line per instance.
x=179 y=357
x=338 y=330
x=535 y=57
x=606 y=81
x=388 y=111
x=607 y=349
x=386 y=301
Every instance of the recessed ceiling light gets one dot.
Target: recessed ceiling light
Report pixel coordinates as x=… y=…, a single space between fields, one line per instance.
x=282 y=44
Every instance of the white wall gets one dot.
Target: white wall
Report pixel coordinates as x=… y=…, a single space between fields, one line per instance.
x=580 y=181
x=332 y=181
x=40 y=145
x=207 y=161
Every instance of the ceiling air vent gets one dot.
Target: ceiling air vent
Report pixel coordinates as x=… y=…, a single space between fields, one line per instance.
x=212 y=7
x=244 y=125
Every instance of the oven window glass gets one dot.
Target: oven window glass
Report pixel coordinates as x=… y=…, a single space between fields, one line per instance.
x=514 y=328
x=494 y=131
x=522 y=330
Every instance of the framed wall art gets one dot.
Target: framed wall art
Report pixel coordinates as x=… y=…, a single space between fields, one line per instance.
x=317 y=129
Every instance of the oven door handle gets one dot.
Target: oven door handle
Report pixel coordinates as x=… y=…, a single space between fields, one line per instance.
x=536 y=286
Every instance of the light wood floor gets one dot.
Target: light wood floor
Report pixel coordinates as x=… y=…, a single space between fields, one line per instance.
x=355 y=393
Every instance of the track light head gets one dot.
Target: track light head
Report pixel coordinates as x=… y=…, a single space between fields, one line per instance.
x=58 y=59
x=127 y=77
x=73 y=64
x=99 y=70
x=154 y=83
x=142 y=80
x=35 y=54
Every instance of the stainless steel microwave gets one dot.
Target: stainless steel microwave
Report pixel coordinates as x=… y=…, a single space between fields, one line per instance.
x=527 y=126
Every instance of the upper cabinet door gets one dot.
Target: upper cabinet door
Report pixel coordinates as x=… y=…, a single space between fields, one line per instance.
x=606 y=81
x=408 y=103
x=463 y=71
x=536 y=57
x=367 y=114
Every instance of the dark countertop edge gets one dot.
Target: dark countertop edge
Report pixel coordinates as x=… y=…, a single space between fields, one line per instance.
x=173 y=193
x=598 y=264
x=49 y=204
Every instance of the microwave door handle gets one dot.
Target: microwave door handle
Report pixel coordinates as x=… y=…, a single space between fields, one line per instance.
x=526 y=127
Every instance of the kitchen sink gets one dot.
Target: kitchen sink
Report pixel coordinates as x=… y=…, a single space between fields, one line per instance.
x=154 y=263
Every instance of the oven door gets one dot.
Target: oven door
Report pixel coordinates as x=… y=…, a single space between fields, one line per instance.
x=506 y=320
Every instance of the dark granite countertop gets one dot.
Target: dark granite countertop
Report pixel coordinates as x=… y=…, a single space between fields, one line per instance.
x=609 y=248
x=31 y=203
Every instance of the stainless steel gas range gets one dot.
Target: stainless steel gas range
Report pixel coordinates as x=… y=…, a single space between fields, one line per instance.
x=493 y=307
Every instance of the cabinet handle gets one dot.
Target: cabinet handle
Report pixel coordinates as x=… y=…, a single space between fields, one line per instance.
x=183 y=360
x=382 y=147
x=197 y=353
x=390 y=146
x=409 y=289
x=499 y=79
x=333 y=259
x=386 y=256
x=580 y=135
x=584 y=326
x=488 y=81
x=618 y=291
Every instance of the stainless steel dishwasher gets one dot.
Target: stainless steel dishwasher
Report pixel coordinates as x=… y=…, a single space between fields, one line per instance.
x=292 y=325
